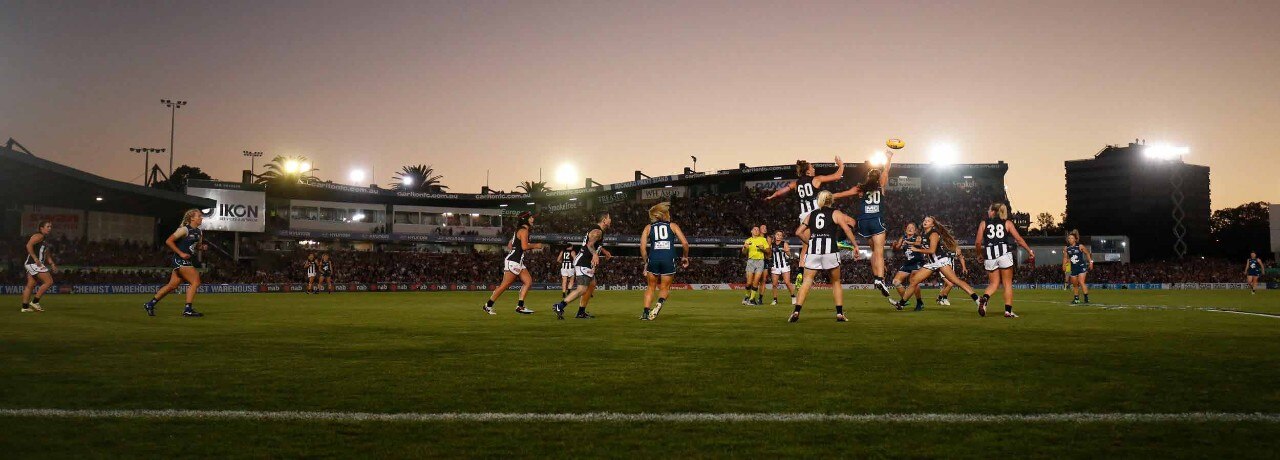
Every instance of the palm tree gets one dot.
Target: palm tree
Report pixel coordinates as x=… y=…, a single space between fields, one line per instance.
x=531 y=187
x=281 y=169
x=418 y=178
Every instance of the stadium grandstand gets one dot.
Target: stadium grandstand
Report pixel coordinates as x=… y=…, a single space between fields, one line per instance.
x=108 y=232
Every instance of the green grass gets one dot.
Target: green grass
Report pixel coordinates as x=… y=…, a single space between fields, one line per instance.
x=436 y=352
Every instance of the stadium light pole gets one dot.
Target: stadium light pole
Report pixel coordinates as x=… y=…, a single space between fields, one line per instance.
x=252 y=156
x=146 y=160
x=173 y=117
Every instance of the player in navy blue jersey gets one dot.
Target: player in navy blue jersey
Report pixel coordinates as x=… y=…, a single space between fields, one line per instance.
x=870 y=223
x=326 y=274
x=39 y=265
x=657 y=249
x=1081 y=261
x=914 y=260
x=184 y=242
x=996 y=236
x=1252 y=270
x=513 y=265
x=807 y=185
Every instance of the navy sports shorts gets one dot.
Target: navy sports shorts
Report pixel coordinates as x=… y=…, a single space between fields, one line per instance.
x=661 y=266
x=870 y=227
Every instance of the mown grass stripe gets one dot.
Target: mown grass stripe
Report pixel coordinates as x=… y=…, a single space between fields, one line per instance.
x=951 y=418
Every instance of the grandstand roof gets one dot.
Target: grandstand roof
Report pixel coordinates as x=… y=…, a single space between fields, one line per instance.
x=27 y=179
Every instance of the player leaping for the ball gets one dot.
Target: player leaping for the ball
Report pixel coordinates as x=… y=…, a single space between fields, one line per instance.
x=807 y=185
x=870 y=225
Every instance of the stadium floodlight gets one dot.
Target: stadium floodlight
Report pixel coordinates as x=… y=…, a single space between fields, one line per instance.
x=666 y=186
x=97 y=198
x=567 y=174
x=291 y=166
x=878 y=158
x=530 y=203
x=944 y=154
x=407 y=181
x=304 y=167
x=252 y=156
x=359 y=216
x=357 y=176
x=573 y=199
x=1164 y=151
x=503 y=205
x=173 y=117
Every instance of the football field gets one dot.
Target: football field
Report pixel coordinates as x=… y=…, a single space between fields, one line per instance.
x=1135 y=374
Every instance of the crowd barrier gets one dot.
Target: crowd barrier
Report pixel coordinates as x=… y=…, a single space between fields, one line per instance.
x=437 y=287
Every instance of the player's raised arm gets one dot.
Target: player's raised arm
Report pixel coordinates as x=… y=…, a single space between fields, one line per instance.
x=782 y=191
x=684 y=259
x=835 y=176
x=852 y=191
x=884 y=173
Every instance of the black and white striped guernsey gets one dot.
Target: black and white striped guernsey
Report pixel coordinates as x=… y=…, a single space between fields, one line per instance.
x=779 y=255
x=517 y=250
x=38 y=249
x=995 y=241
x=824 y=232
x=808 y=194
x=942 y=251
x=584 y=257
x=566 y=259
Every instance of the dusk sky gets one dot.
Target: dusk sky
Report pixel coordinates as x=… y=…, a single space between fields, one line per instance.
x=618 y=86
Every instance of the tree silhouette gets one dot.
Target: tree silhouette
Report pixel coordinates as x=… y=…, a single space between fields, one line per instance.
x=418 y=178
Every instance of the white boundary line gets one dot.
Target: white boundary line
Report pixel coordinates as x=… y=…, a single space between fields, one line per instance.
x=950 y=418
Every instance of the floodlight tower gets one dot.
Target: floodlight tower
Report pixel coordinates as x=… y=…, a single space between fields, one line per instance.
x=173 y=116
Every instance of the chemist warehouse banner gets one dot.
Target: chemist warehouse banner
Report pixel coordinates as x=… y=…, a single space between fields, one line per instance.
x=236 y=211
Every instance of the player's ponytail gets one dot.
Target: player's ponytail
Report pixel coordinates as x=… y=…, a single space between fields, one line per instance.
x=1001 y=210
x=190 y=215
x=825 y=198
x=660 y=211
x=1075 y=233
x=944 y=236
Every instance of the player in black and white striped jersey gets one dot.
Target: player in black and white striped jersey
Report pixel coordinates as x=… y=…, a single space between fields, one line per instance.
x=822 y=228
x=566 y=270
x=513 y=265
x=940 y=249
x=38 y=264
x=780 y=267
x=993 y=238
x=807 y=185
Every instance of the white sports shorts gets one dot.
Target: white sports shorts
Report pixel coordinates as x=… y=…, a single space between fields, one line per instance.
x=33 y=269
x=1005 y=261
x=822 y=261
x=938 y=263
